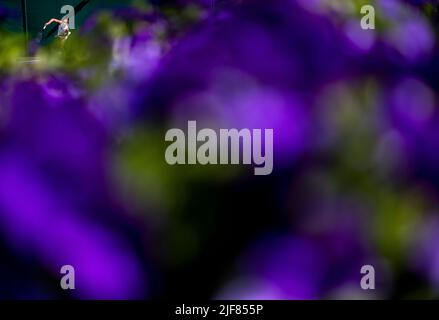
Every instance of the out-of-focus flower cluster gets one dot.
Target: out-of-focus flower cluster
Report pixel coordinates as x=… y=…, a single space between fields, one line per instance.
x=83 y=180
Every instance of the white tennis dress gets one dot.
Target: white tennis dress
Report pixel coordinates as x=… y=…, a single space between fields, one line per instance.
x=63 y=30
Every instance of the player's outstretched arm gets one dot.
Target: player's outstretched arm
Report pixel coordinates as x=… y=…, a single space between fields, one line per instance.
x=52 y=20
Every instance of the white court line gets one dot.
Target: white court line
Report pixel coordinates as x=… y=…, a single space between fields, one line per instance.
x=28 y=60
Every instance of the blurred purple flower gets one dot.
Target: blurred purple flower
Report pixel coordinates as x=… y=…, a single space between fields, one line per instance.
x=293 y=267
x=53 y=185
